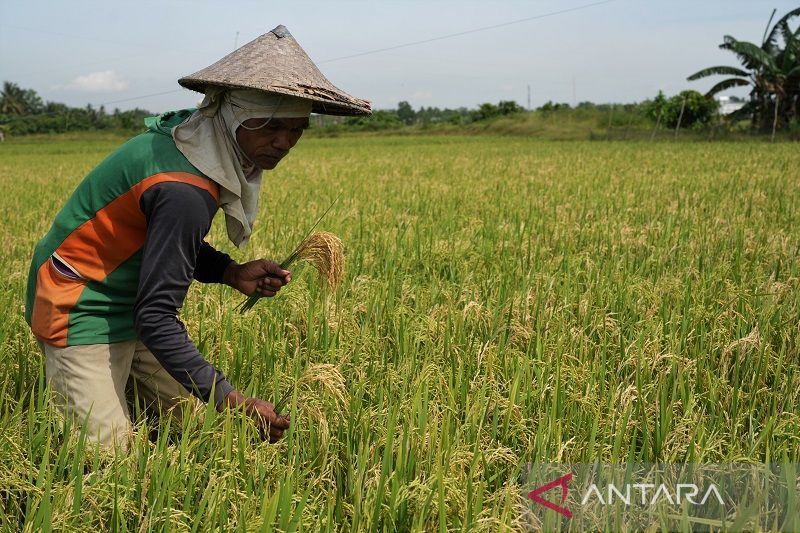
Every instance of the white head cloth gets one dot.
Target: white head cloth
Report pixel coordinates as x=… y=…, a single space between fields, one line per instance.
x=208 y=140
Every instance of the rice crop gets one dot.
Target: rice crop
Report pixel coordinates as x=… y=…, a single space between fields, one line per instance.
x=506 y=301
x=324 y=252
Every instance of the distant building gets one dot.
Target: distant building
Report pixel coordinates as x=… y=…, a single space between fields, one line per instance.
x=729 y=104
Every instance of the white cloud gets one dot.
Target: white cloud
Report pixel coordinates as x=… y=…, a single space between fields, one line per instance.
x=106 y=81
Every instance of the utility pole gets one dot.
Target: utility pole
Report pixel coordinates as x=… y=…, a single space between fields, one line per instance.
x=529 y=97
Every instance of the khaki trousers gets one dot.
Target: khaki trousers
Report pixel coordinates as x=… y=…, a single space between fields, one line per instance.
x=94 y=382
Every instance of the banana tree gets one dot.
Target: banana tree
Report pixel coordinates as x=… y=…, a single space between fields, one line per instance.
x=772 y=71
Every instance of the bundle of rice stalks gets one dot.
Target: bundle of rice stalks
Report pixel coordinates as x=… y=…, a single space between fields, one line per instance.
x=322 y=250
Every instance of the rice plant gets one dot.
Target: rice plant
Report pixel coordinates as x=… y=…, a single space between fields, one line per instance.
x=506 y=301
x=322 y=250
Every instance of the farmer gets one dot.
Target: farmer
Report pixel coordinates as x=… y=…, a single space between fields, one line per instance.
x=108 y=279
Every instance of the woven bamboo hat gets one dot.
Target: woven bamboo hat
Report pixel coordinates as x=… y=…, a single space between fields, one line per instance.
x=275 y=63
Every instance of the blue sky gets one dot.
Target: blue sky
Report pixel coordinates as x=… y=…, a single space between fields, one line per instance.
x=112 y=52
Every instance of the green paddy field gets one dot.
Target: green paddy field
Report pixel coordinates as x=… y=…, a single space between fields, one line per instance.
x=506 y=301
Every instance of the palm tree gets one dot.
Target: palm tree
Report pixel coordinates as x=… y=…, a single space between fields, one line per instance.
x=12 y=99
x=772 y=71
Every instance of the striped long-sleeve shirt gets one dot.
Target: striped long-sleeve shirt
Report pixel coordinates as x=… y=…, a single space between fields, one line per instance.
x=119 y=258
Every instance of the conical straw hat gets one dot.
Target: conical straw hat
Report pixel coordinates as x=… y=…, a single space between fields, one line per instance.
x=276 y=63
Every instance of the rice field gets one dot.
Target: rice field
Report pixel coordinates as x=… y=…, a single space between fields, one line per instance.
x=504 y=301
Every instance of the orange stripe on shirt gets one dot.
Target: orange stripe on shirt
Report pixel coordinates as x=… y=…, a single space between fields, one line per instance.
x=56 y=294
x=98 y=246
x=95 y=249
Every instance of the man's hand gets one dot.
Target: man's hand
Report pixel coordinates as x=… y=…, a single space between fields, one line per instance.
x=271 y=425
x=261 y=277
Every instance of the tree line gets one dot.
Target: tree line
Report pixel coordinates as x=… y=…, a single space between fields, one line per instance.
x=22 y=112
x=405 y=115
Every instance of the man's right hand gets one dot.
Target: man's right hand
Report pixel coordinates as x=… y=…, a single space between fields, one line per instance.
x=261 y=277
x=271 y=425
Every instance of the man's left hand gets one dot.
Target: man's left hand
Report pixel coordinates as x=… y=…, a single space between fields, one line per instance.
x=261 y=277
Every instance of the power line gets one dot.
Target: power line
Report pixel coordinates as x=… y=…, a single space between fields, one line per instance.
x=433 y=39
x=467 y=32
x=142 y=97
x=66 y=68
x=368 y=52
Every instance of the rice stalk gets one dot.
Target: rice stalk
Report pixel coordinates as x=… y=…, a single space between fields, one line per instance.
x=311 y=246
x=327 y=376
x=322 y=250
